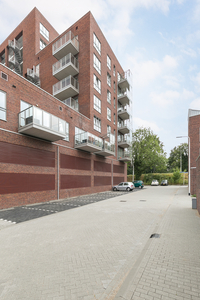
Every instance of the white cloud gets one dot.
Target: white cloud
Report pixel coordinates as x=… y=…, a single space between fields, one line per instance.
x=189 y=52
x=195 y=104
x=172 y=81
x=138 y=122
x=144 y=72
x=164 y=99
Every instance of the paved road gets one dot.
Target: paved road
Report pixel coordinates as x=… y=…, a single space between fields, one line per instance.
x=104 y=250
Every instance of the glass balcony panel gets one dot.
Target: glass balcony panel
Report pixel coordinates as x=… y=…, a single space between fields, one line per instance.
x=66 y=88
x=46 y=119
x=88 y=142
x=37 y=122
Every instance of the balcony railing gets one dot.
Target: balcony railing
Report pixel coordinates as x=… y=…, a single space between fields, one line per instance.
x=123 y=82
x=123 y=98
x=123 y=112
x=68 y=65
x=33 y=76
x=68 y=87
x=72 y=103
x=39 y=123
x=124 y=141
x=88 y=142
x=124 y=155
x=66 y=44
x=108 y=149
x=123 y=127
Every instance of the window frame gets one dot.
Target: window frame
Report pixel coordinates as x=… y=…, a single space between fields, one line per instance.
x=96 y=63
x=96 y=43
x=109 y=114
x=108 y=79
x=4 y=109
x=108 y=96
x=108 y=62
x=97 y=84
x=97 y=124
x=97 y=103
x=44 y=32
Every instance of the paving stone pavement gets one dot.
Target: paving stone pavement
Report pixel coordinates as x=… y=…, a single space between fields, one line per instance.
x=104 y=251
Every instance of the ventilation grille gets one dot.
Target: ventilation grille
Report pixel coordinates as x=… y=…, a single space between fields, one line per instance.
x=4 y=76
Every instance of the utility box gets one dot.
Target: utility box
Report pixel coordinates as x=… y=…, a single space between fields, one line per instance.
x=194 y=203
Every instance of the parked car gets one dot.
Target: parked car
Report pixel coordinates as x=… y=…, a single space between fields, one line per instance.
x=124 y=186
x=138 y=183
x=164 y=182
x=154 y=182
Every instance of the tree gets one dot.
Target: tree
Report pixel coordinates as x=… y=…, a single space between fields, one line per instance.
x=178 y=158
x=147 y=153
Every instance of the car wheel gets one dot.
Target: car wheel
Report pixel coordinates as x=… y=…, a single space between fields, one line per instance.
x=128 y=189
x=114 y=189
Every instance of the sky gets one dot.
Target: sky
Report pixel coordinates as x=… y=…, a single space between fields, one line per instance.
x=158 y=40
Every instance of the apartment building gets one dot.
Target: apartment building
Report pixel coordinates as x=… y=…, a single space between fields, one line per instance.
x=65 y=112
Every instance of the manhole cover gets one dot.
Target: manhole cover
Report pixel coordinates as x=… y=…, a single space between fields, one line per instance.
x=122 y=201
x=143 y=200
x=155 y=235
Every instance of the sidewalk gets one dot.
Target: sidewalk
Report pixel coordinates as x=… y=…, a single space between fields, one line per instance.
x=169 y=266
x=103 y=251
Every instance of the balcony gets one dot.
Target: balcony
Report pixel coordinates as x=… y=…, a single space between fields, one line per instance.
x=88 y=142
x=124 y=156
x=41 y=124
x=123 y=81
x=107 y=150
x=71 y=102
x=123 y=99
x=68 y=65
x=33 y=76
x=66 y=88
x=124 y=141
x=66 y=44
x=123 y=113
x=123 y=127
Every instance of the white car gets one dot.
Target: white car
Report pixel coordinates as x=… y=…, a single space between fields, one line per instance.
x=155 y=182
x=124 y=186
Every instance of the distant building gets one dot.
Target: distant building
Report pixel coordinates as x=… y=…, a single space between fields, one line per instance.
x=65 y=112
x=194 y=136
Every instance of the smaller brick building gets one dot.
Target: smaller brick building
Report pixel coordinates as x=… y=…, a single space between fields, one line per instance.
x=194 y=136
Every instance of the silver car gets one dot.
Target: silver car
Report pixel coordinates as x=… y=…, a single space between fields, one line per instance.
x=124 y=186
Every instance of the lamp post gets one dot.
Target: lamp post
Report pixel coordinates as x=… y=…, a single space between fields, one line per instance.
x=188 y=160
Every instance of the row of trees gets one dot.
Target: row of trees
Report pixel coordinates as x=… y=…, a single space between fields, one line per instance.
x=148 y=155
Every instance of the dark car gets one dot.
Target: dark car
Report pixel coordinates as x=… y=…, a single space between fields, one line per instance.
x=138 y=183
x=164 y=182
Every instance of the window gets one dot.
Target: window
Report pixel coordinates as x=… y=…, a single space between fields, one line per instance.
x=67 y=132
x=108 y=62
x=114 y=86
x=118 y=76
x=114 y=70
x=114 y=102
x=108 y=129
x=97 y=64
x=114 y=118
x=97 y=104
x=97 y=84
x=44 y=32
x=109 y=96
x=42 y=44
x=97 y=124
x=2 y=57
x=96 y=43
x=109 y=114
x=108 y=79
x=2 y=105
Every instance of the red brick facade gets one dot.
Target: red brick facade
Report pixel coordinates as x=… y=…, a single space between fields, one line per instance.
x=36 y=170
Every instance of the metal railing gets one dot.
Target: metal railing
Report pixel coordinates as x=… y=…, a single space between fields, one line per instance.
x=63 y=62
x=69 y=36
x=64 y=83
x=88 y=138
x=124 y=154
x=37 y=116
x=109 y=146
x=72 y=103
x=124 y=139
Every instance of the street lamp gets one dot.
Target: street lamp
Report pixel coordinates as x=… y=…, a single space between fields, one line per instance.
x=188 y=160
